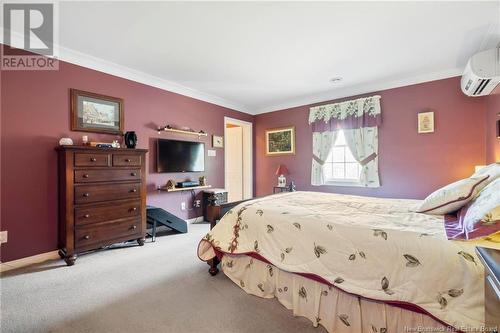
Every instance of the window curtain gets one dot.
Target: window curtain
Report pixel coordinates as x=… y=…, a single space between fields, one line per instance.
x=322 y=145
x=359 y=119
x=363 y=143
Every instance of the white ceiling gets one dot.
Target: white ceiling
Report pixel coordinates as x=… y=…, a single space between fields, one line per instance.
x=263 y=56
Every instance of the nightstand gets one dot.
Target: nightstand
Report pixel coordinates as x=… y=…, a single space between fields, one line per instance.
x=217 y=193
x=491 y=261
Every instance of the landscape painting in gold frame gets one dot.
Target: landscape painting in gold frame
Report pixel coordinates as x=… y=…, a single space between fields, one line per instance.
x=280 y=141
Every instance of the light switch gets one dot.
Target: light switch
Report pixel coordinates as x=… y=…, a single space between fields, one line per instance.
x=211 y=152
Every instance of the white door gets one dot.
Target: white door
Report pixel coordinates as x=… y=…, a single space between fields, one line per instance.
x=234 y=163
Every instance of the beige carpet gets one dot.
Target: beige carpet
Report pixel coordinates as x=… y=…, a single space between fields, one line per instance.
x=160 y=287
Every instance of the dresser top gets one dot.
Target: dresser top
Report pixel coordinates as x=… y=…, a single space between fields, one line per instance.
x=90 y=148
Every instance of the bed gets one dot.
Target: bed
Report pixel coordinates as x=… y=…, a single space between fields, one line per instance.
x=350 y=263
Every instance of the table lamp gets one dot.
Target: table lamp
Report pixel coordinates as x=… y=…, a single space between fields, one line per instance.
x=280 y=172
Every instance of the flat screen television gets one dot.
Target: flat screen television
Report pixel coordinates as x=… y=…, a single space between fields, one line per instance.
x=180 y=156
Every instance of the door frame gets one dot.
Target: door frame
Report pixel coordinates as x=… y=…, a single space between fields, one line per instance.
x=247 y=154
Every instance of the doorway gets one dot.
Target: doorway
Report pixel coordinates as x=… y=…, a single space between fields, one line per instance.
x=238 y=159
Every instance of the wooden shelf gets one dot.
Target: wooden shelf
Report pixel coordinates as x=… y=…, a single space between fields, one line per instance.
x=179 y=189
x=181 y=131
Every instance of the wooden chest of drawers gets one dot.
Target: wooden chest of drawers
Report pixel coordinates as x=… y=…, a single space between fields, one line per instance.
x=102 y=198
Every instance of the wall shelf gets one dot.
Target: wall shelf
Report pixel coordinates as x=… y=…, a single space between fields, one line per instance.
x=179 y=189
x=169 y=128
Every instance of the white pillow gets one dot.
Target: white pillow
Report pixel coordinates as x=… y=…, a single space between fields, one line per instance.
x=452 y=197
x=492 y=170
x=481 y=217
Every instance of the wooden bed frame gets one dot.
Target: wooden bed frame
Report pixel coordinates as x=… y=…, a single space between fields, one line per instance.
x=215 y=212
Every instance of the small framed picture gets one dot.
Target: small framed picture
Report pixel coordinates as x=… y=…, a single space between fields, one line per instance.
x=426 y=122
x=96 y=113
x=217 y=141
x=280 y=141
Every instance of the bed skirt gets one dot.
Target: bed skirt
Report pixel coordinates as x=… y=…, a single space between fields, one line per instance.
x=337 y=311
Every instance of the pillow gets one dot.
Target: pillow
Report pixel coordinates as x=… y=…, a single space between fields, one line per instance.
x=481 y=217
x=452 y=197
x=492 y=170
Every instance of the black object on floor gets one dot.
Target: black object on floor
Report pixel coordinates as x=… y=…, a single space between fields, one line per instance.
x=157 y=216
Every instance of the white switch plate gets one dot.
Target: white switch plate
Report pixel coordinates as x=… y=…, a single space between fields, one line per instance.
x=183 y=205
x=3 y=236
x=211 y=152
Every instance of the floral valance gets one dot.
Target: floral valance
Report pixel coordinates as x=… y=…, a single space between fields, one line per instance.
x=357 y=113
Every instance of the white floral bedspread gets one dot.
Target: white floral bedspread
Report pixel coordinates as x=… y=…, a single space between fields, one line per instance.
x=373 y=247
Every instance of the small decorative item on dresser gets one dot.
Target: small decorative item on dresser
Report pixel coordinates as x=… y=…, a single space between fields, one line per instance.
x=65 y=142
x=85 y=140
x=217 y=141
x=130 y=139
x=281 y=171
x=203 y=181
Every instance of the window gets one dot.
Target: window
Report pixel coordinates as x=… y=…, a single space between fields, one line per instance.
x=340 y=165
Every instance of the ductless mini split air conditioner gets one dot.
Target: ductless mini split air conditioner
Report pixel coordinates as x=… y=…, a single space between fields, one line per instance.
x=482 y=73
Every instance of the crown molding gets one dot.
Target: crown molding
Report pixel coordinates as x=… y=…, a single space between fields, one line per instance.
x=361 y=89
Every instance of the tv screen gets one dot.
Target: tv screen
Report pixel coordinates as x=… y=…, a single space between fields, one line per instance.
x=180 y=156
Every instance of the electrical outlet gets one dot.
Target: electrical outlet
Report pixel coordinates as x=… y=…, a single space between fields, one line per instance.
x=3 y=236
x=183 y=205
x=197 y=204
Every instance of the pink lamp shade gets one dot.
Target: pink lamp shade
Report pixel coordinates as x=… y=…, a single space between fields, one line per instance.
x=282 y=170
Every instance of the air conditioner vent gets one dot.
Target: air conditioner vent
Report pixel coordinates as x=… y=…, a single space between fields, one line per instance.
x=482 y=73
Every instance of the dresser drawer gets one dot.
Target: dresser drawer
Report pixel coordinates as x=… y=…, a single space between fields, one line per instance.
x=126 y=160
x=82 y=159
x=102 y=232
x=108 y=211
x=95 y=193
x=103 y=175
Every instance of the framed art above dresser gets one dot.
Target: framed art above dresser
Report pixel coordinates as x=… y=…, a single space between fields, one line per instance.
x=102 y=198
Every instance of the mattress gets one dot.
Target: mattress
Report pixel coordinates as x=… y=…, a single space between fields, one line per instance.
x=379 y=249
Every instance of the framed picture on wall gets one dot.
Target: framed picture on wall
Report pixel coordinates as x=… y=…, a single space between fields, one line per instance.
x=426 y=122
x=92 y=112
x=280 y=141
x=217 y=141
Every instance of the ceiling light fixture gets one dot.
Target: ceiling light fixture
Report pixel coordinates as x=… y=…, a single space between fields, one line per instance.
x=336 y=79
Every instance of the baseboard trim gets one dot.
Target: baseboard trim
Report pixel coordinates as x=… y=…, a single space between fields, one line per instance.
x=23 y=262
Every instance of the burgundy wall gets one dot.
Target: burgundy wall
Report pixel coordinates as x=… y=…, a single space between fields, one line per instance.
x=35 y=114
x=411 y=165
x=492 y=142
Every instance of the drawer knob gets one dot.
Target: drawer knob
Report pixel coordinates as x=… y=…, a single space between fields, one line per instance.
x=128 y=160
x=133 y=190
x=93 y=159
x=86 y=195
x=133 y=174
x=86 y=175
x=86 y=216
x=86 y=237
x=134 y=209
x=134 y=227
